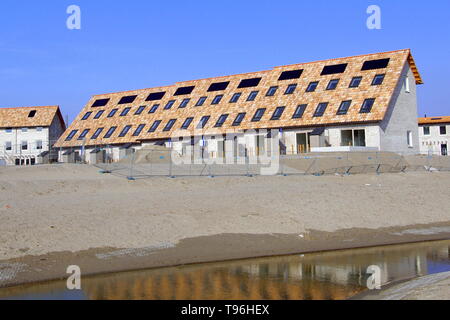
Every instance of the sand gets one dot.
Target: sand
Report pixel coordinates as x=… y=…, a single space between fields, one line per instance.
x=73 y=208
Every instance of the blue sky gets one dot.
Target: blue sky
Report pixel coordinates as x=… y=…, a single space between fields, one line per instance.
x=134 y=44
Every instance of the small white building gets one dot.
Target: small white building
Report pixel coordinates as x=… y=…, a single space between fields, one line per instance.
x=27 y=134
x=434 y=135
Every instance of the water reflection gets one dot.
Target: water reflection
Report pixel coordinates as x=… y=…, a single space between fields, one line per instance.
x=330 y=276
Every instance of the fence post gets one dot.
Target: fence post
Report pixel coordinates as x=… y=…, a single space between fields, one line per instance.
x=130 y=177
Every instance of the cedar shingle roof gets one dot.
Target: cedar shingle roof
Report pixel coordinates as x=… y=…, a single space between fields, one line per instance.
x=23 y=116
x=312 y=71
x=434 y=120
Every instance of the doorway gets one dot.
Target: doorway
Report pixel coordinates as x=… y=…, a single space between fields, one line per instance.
x=444 y=149
x=303 y=143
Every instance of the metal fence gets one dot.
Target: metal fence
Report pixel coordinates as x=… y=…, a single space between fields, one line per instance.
x=169 y=163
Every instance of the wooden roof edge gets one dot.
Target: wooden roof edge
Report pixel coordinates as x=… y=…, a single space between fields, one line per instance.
x=434 y=120
x=414 y=69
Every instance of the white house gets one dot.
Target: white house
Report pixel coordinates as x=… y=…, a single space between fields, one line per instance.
x=434 y=135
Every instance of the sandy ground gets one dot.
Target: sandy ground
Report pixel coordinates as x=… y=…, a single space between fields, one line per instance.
x=73 y=207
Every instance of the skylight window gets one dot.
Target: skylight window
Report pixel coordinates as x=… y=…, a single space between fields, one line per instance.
x=344 y=107
x=71 y=135
x=235 y=97
x=203 y=121
x=298 y=114
x=375 y=64
x=127 y=100
x=248 y=83
x=367 y=106
x=125 y=131
x=321 y=108
x=332 y=85
x=125 y=111
x=221 y=120
x=99 y=114
x=100 y=103
x=240 y=117
x=155 y=96
x=187 y=123
x=110 y=132
x=154 y=108
x=252 y=96
x=32 y=114
x=338 y=68
x=258 y=115
x=169 y=105
x=356 y=81
x=170 y=125
x=84 y=134
x=97 y=133
x=291 y=89
x=184 y=91
x=312 y=86
x=290 y=75
x=217 y=99
x=201 y=101
x=278 y=113
x=112 y=113
x=378 y=80
x=219 y=86
x=86 y=116
x=138 y=130
x=154 y=126
x=184 y=103
x=272 y=91
x=139 y=110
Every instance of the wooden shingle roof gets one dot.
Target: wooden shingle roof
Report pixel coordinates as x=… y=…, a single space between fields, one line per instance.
x=28 y=116
x=344 y=69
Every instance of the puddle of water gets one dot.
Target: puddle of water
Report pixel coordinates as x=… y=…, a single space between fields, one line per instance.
x=331 y=276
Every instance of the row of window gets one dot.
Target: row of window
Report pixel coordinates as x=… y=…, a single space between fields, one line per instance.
x=332 y=85
x=442 y=131
x=23 y=130
x=23 y=145
x=278 y=113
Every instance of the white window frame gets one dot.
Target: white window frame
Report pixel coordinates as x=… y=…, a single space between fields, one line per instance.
x=409 y=139
x=407 y=85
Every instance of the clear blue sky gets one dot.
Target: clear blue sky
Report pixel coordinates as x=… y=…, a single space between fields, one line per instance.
x=134 y=44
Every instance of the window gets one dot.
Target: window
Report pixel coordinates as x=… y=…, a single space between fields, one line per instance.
x=407 y=87
x=155 y=96
x=127 y=100
x=291 y=89
x=125 y=112
x=86 y=116
x=138 y=130
x=169 y=125
x=378 y=80
x=321 y=108
x=97 y=133
x=353 y=138
x=201 y=101
x=258 y=115
x=24 y=130
x=71 y=135
x=38 y=144
x=356 y=81
x=240 y=117
x=154 y=108
x=343 y=108
x=154 y=126
x=100 y=103
x=24 y=145
x=83 y=134
x=218 y=86
x=409 y=139
x=443 y=130
x=312 y=86
x=332 y=85
x=375 y=64
x=252 y=96
x=203 y=121
x=187 y=123
x=169 y=105
x=184 y=103
x=248 y=83
x=278 y=113
x=426 y=131
x=112 y=113
x=124 y=131
x=39 y=129
x=338 y=68
x=110 y=132
x=235 y=97
x=8 y=130
x=32 y=114
x=8 y=146
x=367 y=106
x=99 y=114
x=290 y=75
x=217 y=99
x=271 y=92
x=184 y=91
x=221 y=120
x=298 y=114
x=139 y=110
